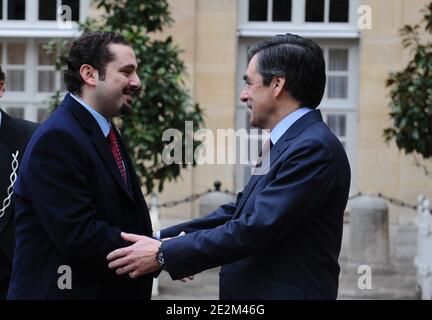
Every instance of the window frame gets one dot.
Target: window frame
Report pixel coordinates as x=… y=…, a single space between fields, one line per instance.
x=30 y=99
x=269 y=13
x=327 y=13
x=347 y=107
x=15 y=67
x=298 y=25
x=32 y=27
x=5 y=6
x=59 y=3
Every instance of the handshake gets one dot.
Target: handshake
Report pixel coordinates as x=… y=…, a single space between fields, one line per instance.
x=139 y=258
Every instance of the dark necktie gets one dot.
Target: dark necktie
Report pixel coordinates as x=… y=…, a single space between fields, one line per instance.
x=116 y=153
x=265 y=152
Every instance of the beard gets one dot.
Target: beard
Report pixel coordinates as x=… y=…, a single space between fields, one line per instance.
x=125 y=109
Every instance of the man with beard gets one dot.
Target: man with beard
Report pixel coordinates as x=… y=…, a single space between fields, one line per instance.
x=14 y=135
x=77 y=188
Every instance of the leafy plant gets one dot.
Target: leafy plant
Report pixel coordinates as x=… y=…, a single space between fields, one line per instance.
x=411 y=93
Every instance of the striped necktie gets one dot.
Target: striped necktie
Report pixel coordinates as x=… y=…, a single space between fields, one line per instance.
x=116 y=153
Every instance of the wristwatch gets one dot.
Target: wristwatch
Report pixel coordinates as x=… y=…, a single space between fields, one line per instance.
x=160 y=258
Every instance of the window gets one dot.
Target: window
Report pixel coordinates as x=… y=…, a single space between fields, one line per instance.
x=46 y=70
x=281 y=10
x=12 y=9
x=258 y=10
x=269 y=10
x=327 y=11
x=339 y=10
x=31 y=78
x=337 y=124
x=13 y=64
x=337 y=74
x=314 y=11
x=42 y=114
x=16 y=112
x=48 y=9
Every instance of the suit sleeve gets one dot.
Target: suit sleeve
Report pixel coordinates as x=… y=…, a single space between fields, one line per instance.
x=209 y=221
x=56 y=180
x=303 y=182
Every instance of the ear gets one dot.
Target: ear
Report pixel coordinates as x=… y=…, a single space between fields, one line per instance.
x=89 y=74
x=278 y=84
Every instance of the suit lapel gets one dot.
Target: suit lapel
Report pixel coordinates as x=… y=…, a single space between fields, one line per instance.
x=102 y=147
x=87 y=121
x=7 y=134
x=281 y=145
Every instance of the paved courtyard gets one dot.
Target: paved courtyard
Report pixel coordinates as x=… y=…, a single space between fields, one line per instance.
x=205 y=286
x=398 y=282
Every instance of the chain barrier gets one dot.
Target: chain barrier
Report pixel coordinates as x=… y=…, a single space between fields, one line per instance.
x=426 y=171
x=171 y=204
x=396 y=202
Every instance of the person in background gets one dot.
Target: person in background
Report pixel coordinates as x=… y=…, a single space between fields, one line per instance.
x=14 y=136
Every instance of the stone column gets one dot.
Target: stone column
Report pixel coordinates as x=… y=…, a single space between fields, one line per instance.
x=214 y=200
x=369 y=232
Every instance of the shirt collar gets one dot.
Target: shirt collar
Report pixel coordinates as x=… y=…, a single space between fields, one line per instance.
x=286 y=123
x=103 y=123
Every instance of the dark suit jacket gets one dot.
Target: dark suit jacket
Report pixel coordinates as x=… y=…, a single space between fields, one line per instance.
x=14 y=136
x=71 y=204
x=282 y=237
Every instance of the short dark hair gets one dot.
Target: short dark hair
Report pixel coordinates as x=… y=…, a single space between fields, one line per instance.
x=2 y=75
x=91 y=48
x=300 y=61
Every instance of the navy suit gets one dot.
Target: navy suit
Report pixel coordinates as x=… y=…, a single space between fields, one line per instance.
x=14 y=136
x=71 y=204
x=282 y=237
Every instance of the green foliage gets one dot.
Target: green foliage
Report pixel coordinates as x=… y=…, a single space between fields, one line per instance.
x=164 y=103
x=411 y=93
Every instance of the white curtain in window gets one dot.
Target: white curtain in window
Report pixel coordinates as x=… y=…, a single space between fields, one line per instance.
x=337 y=87
x=46 y=81
x=15 y=80
x=337 y=124
x=338 y=59
x=337 y=74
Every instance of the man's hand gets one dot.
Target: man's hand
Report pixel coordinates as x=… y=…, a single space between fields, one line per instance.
x=137 y=259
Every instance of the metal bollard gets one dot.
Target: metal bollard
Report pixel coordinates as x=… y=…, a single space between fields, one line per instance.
x=423 y=260
x=155 y=219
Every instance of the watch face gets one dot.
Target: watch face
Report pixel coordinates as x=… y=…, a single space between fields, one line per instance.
x=160 y=258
